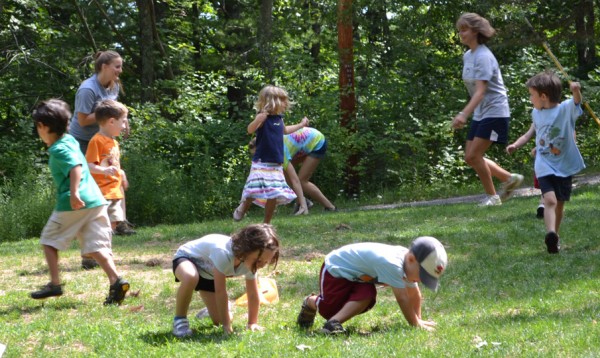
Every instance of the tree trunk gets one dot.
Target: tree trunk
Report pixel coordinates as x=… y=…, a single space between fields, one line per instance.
x=584 y=37
x=265 y=37
x=146 y=50
x=346 y=83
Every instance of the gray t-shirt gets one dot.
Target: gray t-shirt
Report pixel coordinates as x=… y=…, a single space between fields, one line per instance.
x=89 y=93
x=369 y=262
x=482 y=65
x=556 y=150
x=213 y=252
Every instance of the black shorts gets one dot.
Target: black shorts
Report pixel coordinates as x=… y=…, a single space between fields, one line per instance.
x=561 y=186
x=203 y=284
x=493 y=129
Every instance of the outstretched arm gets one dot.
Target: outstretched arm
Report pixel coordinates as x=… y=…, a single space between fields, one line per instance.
x=409 y=300
x=576 y=90
x=253 y=304
x=511 y=148
x=222 y=301
x=291 y=129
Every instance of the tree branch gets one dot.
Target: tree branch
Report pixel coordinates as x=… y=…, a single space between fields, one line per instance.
x=85 y=24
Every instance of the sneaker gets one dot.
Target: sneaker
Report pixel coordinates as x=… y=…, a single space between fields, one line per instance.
x=117 y=291
x=540 y=212
x=552 y=242
x=181 y=328
x=510 y=185
x=491 y=200
x=88 y=263
x=48 y=290
x=306 y=317
x=333 y=327
x=123 y=228
x=238 y=215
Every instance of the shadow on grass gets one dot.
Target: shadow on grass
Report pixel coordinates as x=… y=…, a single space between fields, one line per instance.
x=156 y=339
x=57 y=305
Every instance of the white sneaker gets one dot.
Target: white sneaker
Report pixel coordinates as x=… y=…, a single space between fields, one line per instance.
x=510 y=185
x=491 y=200
x=181 y=328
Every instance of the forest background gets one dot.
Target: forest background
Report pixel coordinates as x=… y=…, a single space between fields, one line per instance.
x=193 y=69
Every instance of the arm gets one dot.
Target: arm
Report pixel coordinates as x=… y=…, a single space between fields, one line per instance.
x=409 y=300
x=291 y=129
x=257 y=122
x=98 y=169
x=75 y=176
x=222 y=301
x=124 y=181
x=253 y=304
x=460 y=119
x=576 y=90
x=86 y=119
x=511 y=148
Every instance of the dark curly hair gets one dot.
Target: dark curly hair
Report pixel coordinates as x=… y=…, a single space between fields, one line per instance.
x=53 y=113
x=255 y=237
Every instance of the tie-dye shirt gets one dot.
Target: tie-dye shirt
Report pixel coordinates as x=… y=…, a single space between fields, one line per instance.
x=303 y=141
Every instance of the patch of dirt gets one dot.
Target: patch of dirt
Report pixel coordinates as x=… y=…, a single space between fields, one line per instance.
x=578 y=181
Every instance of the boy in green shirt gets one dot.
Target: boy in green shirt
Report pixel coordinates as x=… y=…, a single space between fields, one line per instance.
x=80 y=208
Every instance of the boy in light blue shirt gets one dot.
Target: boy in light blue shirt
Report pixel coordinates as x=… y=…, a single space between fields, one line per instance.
x=350 y=273
x=557 y=156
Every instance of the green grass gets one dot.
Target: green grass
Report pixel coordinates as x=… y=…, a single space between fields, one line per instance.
x=500 y=287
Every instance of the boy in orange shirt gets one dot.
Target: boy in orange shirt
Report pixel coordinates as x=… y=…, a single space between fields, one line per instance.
x=103 y=157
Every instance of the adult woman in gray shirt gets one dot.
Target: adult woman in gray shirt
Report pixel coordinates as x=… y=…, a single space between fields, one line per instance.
x=489 y=106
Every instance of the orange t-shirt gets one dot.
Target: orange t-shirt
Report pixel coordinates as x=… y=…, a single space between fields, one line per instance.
x=104 y=151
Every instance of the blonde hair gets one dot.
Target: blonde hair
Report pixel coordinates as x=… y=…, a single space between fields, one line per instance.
x=273 y=100
x=480 y=24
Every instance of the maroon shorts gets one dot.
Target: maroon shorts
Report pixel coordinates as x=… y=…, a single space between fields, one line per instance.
x=336 y=292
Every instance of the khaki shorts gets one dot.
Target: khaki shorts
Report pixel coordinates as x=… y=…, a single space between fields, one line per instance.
x=90 y=226
x=115 y=210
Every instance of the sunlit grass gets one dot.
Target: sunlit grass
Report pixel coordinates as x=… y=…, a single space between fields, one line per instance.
x=502 y=294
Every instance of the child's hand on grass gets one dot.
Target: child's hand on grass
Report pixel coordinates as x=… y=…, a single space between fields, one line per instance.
x=427 y=325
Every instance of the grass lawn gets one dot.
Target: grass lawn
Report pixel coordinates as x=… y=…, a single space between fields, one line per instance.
x=502 y=294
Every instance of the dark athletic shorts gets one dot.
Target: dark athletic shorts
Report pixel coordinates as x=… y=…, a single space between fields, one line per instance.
x=559 y=185
x=494 y=129
x=336 y=292
x=319 y=153
x=203 y=284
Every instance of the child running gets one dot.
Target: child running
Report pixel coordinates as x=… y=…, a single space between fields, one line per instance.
x=350 y=273
x=80 y=209
x=104 y=158
x=204 y=264
x=557 y=157
x=266 y=184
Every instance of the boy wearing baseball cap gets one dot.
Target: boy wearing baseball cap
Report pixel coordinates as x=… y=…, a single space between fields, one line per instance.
x=349 y=275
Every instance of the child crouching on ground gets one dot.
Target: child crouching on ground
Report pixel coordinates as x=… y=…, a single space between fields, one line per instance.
x=80 y=208
x=350 y=273
x=204 y=264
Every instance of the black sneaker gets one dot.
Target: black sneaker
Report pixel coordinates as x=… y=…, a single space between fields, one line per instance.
x=117 y=292
x=552 y=242
x=333 y=327
x=123 y=228
x=306 y=317
x=49 y=290
x=88 y=263
x=540 y=212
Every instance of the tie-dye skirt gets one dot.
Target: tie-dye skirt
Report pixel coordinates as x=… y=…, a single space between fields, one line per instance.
x=266 y=181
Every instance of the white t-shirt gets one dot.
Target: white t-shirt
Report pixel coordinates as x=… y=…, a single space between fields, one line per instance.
x=481 y=65
x=556 y=150
x=369 y=262
x=213 y=251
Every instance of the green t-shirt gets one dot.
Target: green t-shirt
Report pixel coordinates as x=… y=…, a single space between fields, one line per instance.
x=64 y=156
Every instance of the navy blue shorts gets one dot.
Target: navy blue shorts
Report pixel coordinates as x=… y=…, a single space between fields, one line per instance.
x=319 y=153
x=561 y=186
x=203 y=284
x=494 y=129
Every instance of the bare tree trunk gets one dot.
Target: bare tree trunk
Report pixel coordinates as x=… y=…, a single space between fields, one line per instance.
x=265 y=38
x=346 y=83
x=584 y=37
x=146 y=50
